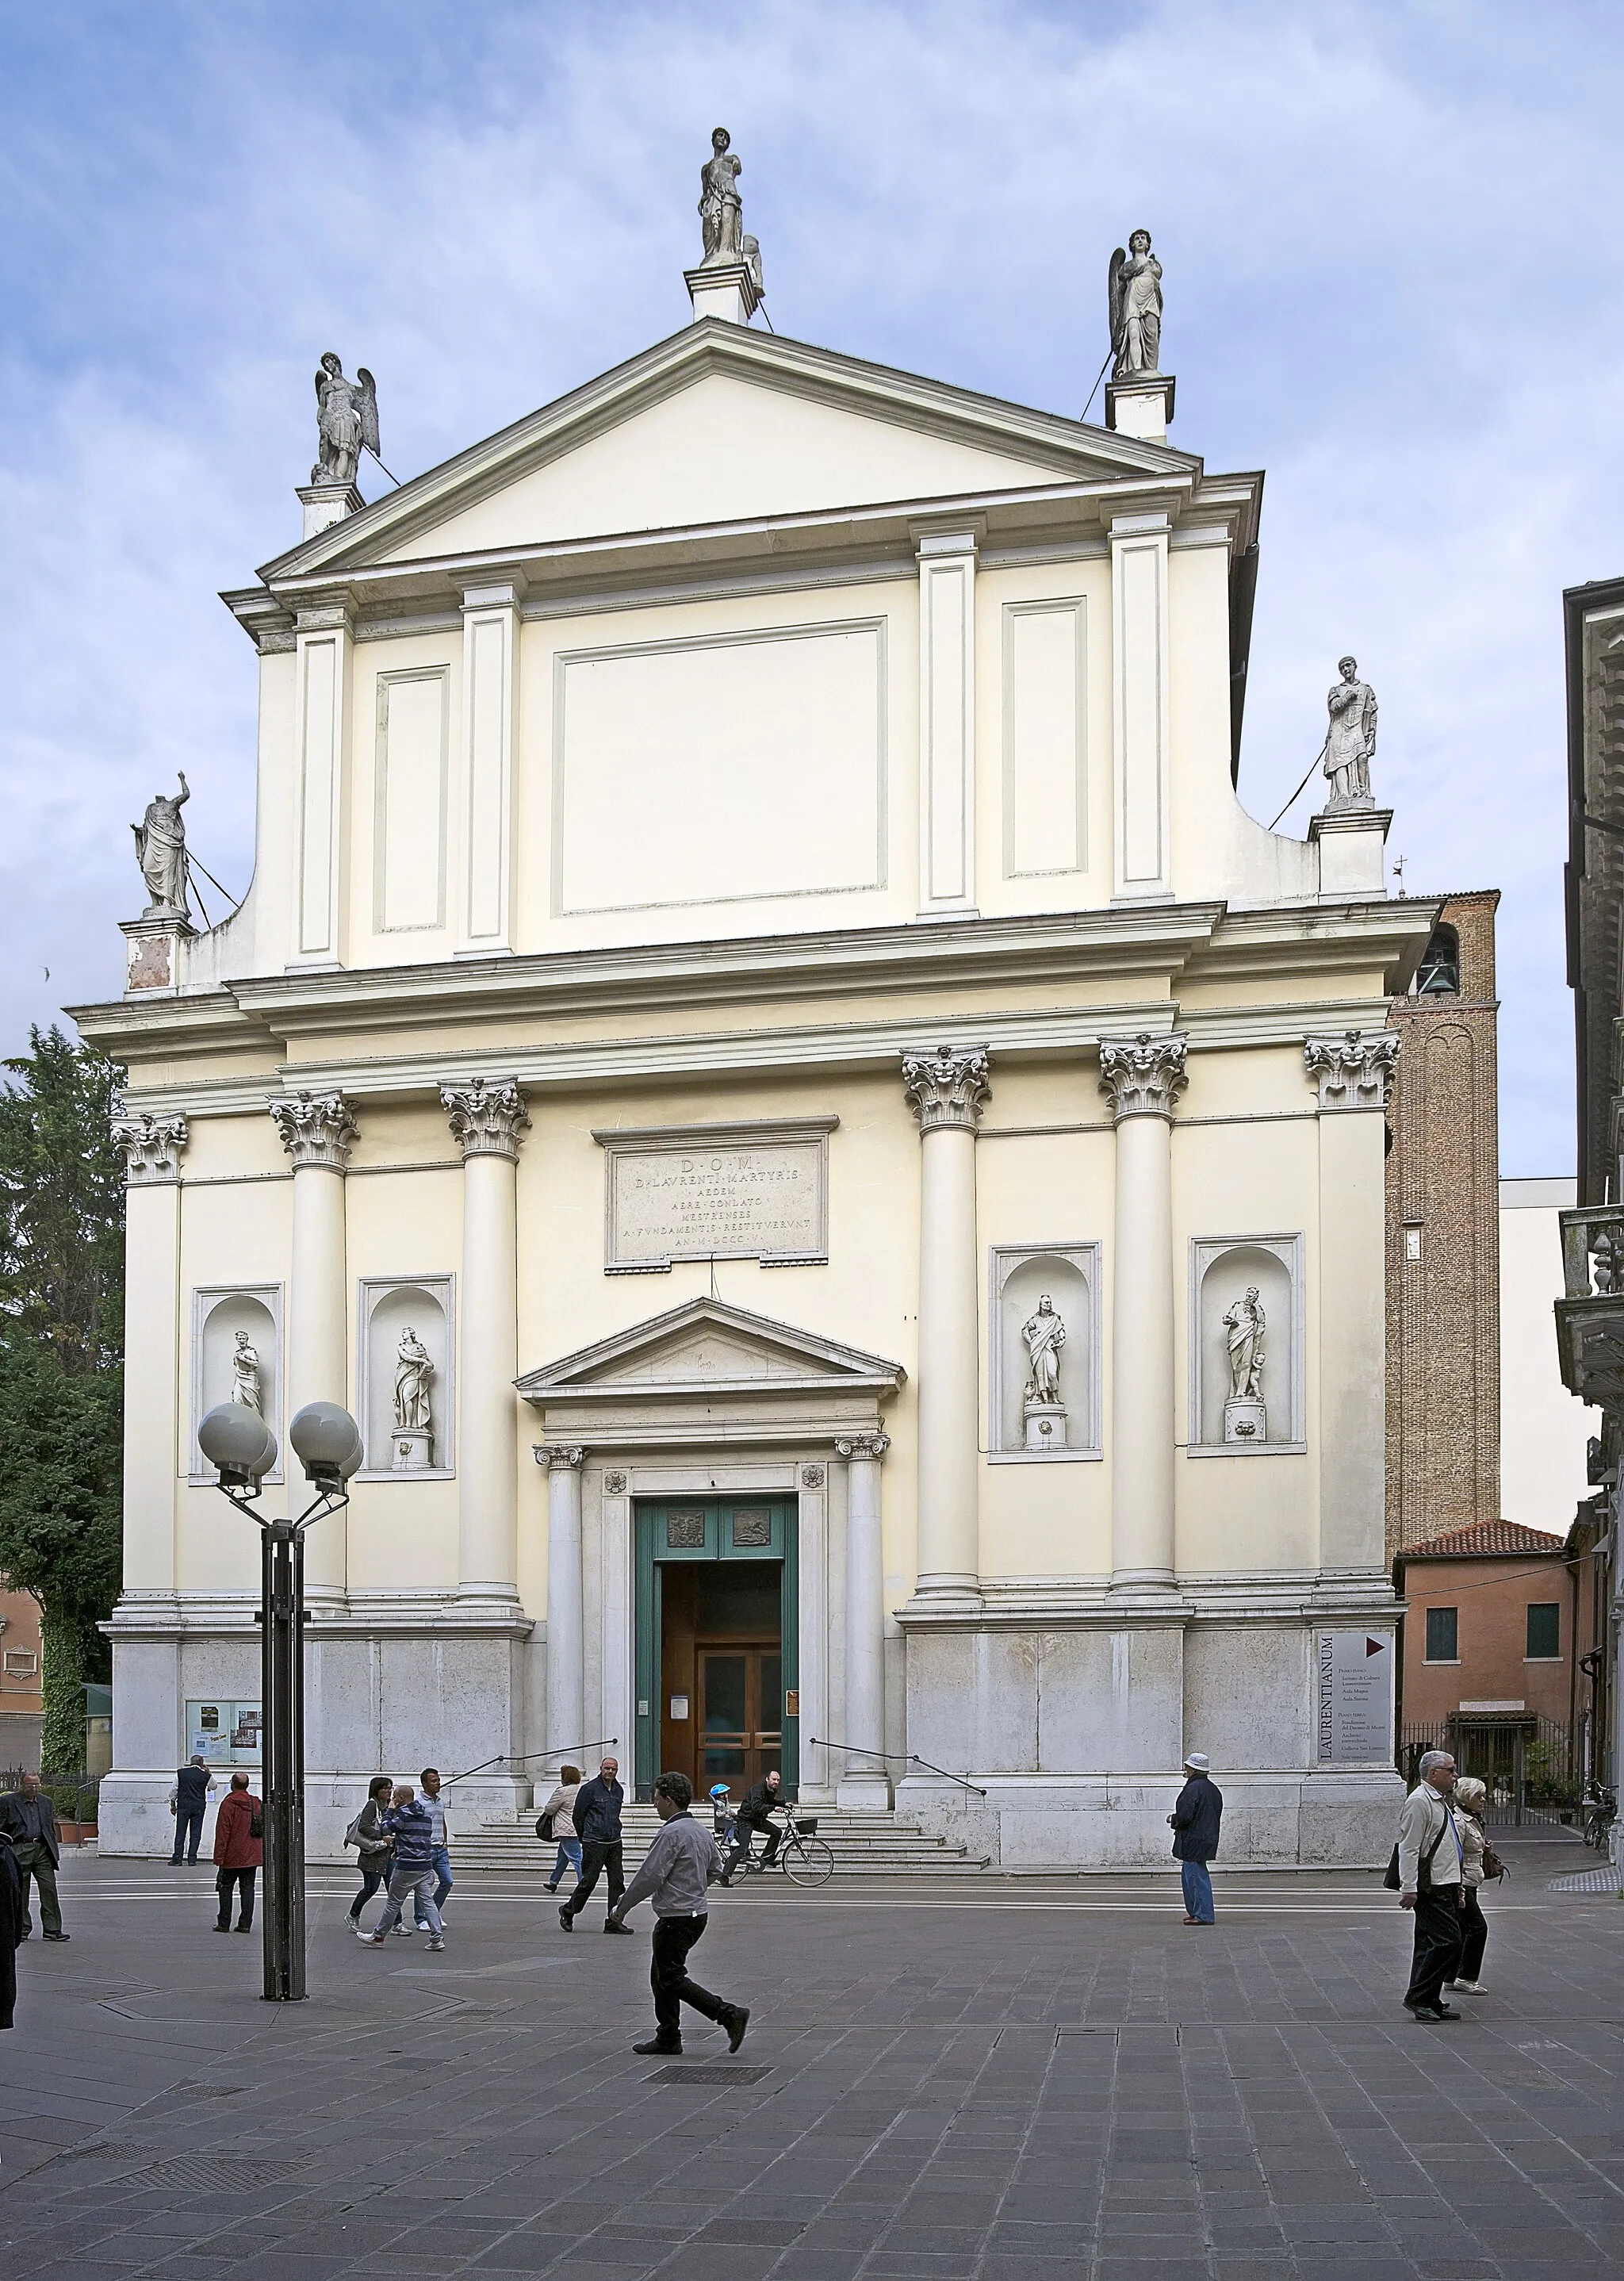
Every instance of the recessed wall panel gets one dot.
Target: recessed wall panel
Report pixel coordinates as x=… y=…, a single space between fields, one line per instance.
x=410 y=817
x=1044 y=803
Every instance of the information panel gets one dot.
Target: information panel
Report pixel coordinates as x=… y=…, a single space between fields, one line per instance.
x=735 y=1192
x=1356 y=1697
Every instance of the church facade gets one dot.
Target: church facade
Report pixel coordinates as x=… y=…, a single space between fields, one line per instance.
x=840 y=1174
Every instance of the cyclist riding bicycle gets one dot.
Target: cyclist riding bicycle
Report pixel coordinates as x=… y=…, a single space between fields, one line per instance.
x=759 y=1805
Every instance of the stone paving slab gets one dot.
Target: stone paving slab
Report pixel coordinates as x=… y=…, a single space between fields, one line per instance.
x=1043 y=2081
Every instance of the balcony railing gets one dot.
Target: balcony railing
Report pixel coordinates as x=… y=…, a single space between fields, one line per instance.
x=1591 y=1317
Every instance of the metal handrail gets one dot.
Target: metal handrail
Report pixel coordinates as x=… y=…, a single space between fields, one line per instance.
x=504 y=1758
x=905 y=1758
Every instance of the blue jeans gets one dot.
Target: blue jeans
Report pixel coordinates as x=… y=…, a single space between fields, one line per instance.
x=1197 y=1891
x=440 y=1860
x=568 y=1858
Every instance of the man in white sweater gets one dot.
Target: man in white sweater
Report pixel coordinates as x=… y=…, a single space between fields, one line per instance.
x=677 y=1871
x=1429 y=1875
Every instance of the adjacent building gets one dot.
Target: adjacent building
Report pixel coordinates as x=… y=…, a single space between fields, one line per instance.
x=841 y=1172
x=22 y=1703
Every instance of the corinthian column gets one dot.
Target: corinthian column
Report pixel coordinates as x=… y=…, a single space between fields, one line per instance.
x=1142 y=1081
x=566 y=1714
x=946 y=1091
x=488 y=1121
x=318 y=1132
x=863 y=1783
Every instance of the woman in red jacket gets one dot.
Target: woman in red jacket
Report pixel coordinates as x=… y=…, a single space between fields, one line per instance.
x=238 y=1852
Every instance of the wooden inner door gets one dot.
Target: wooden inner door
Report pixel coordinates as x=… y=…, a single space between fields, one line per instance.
x=722 y=1672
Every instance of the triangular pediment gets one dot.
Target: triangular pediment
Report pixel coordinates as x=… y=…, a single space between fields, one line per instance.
x=721 y=424
x=707 y=1348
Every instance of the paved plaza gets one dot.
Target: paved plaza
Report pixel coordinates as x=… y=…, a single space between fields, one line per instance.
x=1032 y=2081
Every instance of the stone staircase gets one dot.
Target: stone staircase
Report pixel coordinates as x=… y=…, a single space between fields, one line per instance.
x=871 y=1846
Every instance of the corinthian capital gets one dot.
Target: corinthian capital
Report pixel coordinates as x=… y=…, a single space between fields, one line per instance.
x=316 y=1128
x=947 y=1087
x=487 y=1119
x=152 y=1147
x=1354 y=1071
x=872 y=1446
x=1145 y=1078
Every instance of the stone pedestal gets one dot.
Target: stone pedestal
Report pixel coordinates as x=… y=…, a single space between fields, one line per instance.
x=1352 y=843
x=325 y=503
x=726 y=289
x=1142 y=407
x=152 y=950
x=1046 y=1425
x=410 y=1450
x=1244 y=1423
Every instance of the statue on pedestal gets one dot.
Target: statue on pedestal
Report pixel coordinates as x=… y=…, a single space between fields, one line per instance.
x=721 y=211
x=1042 y=1411
x=1134 y=293
x=1245 y=1324
x=346 y=421
x=414 y=1369
x=160 y=850
x=245 y=1374
x=1351 y=738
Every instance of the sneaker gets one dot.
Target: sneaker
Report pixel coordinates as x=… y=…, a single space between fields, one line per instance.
x=58 y=1936
x=374 y=1939
x=657 y=2049
x=1469 y=1987
x=565 y=1919
x=404 y=1931
x=736 y=2019
x=437 y=1941
x=359 y=1933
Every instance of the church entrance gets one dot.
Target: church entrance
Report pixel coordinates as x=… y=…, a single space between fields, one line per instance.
x=716 y=1642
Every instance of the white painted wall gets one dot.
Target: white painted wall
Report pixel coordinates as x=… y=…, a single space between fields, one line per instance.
x=1542 y=1429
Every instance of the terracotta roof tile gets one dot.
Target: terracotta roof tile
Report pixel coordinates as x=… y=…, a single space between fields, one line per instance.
x=1485 y=1540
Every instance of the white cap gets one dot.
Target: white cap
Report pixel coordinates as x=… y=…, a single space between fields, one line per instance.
x=1197 y=1761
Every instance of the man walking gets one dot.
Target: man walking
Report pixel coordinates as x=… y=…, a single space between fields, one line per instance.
x=239 y=1850
x=188 y=1794
x=413 y=1873
x=29 y=1819
x=678 y=1867
x=1194 y=1823
x=597 y=1817
x=439 y=1845
x=1430 y=1864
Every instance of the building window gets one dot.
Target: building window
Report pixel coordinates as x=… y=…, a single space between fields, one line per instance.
x=1443 y=1636
x=1438 y=975
x=1544 y=1631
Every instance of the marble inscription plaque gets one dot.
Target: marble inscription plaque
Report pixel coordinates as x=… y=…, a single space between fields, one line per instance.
x=723 y=1198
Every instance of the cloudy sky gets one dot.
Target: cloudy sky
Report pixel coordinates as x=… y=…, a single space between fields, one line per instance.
x=1392 y=277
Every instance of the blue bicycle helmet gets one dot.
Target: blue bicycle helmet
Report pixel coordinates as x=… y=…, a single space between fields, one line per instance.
x=718 y=1789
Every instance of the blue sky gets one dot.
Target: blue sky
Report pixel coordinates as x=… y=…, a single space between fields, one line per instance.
x=1392 y=278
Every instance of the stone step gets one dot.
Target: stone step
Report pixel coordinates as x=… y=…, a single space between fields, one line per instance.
x=864 y=1845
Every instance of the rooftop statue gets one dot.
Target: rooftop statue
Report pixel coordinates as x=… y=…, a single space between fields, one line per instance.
x=346 y=421
x=722 y=213
x=1352 y=738
x=160 y=850
x=1134 y=290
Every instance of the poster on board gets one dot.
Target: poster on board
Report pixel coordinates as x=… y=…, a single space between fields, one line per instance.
x=1356 y=1697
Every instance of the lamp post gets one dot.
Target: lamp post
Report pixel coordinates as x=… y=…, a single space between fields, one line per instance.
x=328 y=1442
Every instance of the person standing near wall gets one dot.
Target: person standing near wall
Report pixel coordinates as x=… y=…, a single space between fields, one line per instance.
x=1194 y=1823
x=189 y=1796
x=239 y=1851
x=29 y=1819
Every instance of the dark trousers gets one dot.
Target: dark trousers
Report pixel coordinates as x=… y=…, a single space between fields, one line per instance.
x=35 y=1861
x=244 y=1880
x=595 y=1859
x=749 y=1828
x=371 y=1879
x=188 y=1832
x=1474 y=1934
x=674 y=1936
x=1437 y=1944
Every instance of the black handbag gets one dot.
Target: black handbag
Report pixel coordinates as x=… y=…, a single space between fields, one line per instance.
x=544 y=1827
x=1423 y=1867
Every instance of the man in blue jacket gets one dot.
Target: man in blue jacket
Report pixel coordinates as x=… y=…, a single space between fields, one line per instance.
x=597 y=1820
x=410 y=1825
x=1195 y=1824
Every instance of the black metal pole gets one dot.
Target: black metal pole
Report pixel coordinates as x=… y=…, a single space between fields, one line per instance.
x=282 y=1550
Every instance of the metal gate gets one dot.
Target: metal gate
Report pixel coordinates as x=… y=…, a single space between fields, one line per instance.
x=1525 y=1762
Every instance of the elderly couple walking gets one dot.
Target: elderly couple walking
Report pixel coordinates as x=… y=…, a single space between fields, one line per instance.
x=1442 y=1858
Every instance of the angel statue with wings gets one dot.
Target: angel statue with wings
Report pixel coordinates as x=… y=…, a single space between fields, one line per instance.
x=1134 y=291
x=346 y=421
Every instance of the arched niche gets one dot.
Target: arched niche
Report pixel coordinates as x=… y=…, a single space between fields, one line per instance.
x=1221 y=1270
x=390 y=1306
x=220 y=1312
x=1020 y=1273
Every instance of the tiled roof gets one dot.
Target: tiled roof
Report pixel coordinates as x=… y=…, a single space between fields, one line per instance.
x=1485 y=1540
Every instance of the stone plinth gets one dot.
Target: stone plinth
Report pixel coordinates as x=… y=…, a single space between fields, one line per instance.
x=726 y=289
x=1245 y=1423
x=1352 y=843
x=325 y=503
x=1142 y=407
x=1046 y=1425
x=152 y=950
x=410 y=1450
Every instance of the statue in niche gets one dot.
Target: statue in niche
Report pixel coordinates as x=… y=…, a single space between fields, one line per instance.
x=1350 y=740
x=414 y=1369
x=346 y=421
x=160 y=850
x=245 y=1374
x=1044 y=1333
x=1244 y=1324
x=1134 y=292
x=721 y=211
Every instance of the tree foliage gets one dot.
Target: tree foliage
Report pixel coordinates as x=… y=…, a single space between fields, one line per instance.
x=61 y=1378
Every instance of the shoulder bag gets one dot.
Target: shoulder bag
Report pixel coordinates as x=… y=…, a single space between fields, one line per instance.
x=1423 y=1870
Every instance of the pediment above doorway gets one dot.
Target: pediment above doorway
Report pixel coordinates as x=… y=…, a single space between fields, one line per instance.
x=708 y=1372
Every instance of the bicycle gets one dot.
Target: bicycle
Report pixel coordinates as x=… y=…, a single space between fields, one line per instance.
x=1600 y=1809
x=804 y=1857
